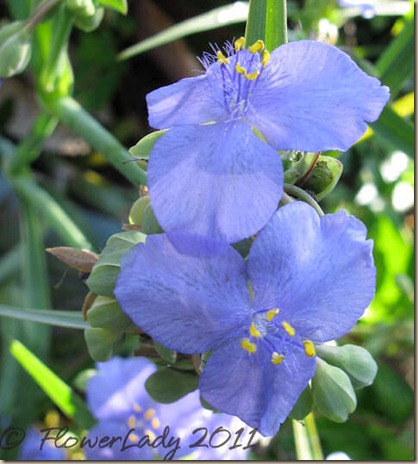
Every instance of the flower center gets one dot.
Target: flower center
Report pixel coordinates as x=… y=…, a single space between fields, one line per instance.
x=146 y=421
x=241 y=70
x=275 y=336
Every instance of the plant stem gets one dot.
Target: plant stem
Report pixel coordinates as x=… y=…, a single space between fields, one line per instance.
x=308 y=447
x=297 y=192
x=83 y=124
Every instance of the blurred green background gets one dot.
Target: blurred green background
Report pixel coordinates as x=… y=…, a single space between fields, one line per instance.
x=376 y=186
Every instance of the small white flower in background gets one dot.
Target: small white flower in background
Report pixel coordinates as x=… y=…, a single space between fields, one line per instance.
x=338 y=456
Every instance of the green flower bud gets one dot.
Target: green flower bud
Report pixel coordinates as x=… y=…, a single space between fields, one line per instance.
x=100 y=342
x=333 y=393
x=107 y=314
x=84 y=8
x=136 y=214
x=144 y=147
x=104 y=274
x=324 y=176
x=354 y=360
x=303 y=406
x=89 y=23
x=15 y=48
x=149 y=222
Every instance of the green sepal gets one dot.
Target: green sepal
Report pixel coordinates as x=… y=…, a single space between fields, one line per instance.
x=102 y=279
x=354 y=360
x=303 y=406
x=100 y=342
x=89 y=23
x=168 y=385
x=333 y=394
x=15 y=48
x=106 y=313
x=165 y=354
x=121 y=6
x=324 y=176
x=144 y=147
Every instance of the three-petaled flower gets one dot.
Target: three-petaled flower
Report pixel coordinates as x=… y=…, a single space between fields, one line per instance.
x=139 y=428
x=217 y=171
x=307 y=281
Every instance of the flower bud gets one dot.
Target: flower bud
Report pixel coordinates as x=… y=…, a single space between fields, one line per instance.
x=136 y=214
x=15 y=48
x=149 y=222
x=84 y=8
x=324 y=176
x=100 y=342
x=107 y=314
x=102 y=279
x=354 y=360
x=89 y=23
x=334 y=396
x=303 y=406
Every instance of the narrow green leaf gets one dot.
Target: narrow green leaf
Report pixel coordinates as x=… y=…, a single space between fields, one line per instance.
x=276 y=24
x=68 y=319
x=120 y=6
x=219 y=17
x=395 y=130
x=57 y=390
x=396 y=64
x=256 y=22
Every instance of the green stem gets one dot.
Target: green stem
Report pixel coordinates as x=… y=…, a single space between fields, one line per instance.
x=83 y=124
x=297 y=192
x=39 y=14
x=308 y=447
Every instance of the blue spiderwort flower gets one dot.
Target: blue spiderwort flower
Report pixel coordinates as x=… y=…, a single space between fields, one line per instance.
x=307 y=281
x=211 y=173
x=117 y=397
x=34 y=448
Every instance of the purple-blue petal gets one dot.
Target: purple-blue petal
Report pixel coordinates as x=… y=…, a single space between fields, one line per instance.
x=251 y=387
x=36 y=448
x=313 y=97
x=189 y=101
x=318 y=271
x=217 y=180
x=188 y=303
x=118 y=386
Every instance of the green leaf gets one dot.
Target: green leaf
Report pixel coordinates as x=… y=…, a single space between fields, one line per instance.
x=168 y=385
x=218 y=17
x=121 y=6
x=256 y=22
x=396 y=64
x=68 y=319
x=354 y=360
x=143 y=148
x=15 y=48
x=395 y=130
x=333 y=393
x=102 y=279
x=58 y=391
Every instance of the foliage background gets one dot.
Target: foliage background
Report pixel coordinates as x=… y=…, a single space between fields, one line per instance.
x=377 y=186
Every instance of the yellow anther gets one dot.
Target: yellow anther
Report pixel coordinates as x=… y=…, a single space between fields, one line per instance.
x=155 y=423
x=289 y=329
x=239 y=43
x=133 y=438
x=222 y=59
x=240 y=70
x=248 y=346
x=149 y=413
x=254 y=331
x=137 y=407
x=132 y=422
x=277 y=358
x=252 y=76
x=270 y=314
x=266 y=58
x=256 y=46
x=309 y=348
x=151 y=434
